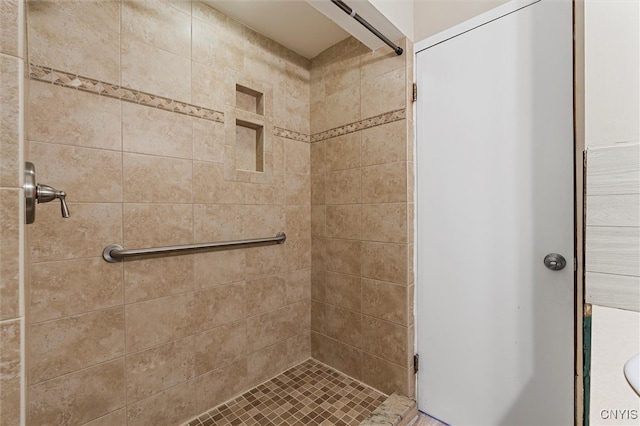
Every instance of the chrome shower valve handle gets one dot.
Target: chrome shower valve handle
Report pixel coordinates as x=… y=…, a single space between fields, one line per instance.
x=45 y=193
x=40 y=193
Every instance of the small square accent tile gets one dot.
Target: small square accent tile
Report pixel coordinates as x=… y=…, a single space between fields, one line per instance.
x=310 y=393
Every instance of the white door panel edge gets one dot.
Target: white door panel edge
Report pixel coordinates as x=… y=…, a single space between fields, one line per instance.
x=494 y=184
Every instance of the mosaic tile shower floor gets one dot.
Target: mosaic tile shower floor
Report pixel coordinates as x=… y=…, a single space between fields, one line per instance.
x=308 y=394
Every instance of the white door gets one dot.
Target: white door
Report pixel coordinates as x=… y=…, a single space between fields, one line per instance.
x=495 y=327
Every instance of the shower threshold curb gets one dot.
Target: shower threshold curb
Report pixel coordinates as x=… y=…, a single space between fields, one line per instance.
x=396 y=410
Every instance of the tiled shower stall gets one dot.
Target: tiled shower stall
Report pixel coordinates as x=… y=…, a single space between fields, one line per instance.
x=166 y=123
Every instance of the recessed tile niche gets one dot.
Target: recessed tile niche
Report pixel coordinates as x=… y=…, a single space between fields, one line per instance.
x=249 y=146
x=249 y=135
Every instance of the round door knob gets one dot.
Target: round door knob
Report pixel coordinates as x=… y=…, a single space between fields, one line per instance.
x=555 y=261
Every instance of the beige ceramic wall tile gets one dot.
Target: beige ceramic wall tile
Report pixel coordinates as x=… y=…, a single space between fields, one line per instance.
x=172 y=406
x=343 y=290
x=76 y=37
x=296 y=77
x=318 y=184
x=152 y=131
x=319 y=253
x=385 y=261
x=341 y=356
x=219 y=346
x=317 y=153
x=73 y=343
x=158 y=321
x=117 y=417
x=385 y=339
x=10 y=27
x=318 y=120
x=299 y=348
x=316 y=83
x=219 y=267
x=342 y=73
x=384 y=375
x=159 y=368
x=265 y=294
x=69 y=287
x=343 y=187
x=209 y=87
x=344 y=221
x=384 y=144
x=318 y=279
x=386 y=301
x=343 y=256
x=11 y=120
x=219 y=385
x=318 y=221
x=299 y=318
x=411 y=293
x=291 y=113
x=383 y=60
x=151 y=278
x=171 y=224
x=262 y=221
x=343 y=108
x=152 y=70
x=224 y=50
x=298 y=254
x=343 y=152
x=265 y=260
x=148 y=21
x=298 y=285
x=410 y=223
x=10 y=223
x=218 y=222
x=383 y=93
x=268 y=328
x=209 y=185
x=297 y=156
x=83 y=396
x=410 y=182
x=106 y=14
x=385 y=183
x=208 y=140
x=10 y=372
x=72 y=117
x=219 y=305
x=384 y=222
x=298 y=221
x=298 y=188
x=85 y=174
x=341 y=324
x=88 y=230
x=146 y=177
x=266 y=363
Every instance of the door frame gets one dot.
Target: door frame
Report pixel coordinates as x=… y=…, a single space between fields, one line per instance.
x=580 y=308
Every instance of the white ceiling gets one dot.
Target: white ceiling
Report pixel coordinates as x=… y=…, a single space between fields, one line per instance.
x=293 y=23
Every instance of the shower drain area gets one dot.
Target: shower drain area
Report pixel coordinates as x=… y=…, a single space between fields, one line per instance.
x=310 y=393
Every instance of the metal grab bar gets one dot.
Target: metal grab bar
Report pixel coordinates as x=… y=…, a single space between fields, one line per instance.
x=115 y=252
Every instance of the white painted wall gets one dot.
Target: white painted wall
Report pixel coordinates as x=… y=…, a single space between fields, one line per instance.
x=612 y=70
x=612 y=52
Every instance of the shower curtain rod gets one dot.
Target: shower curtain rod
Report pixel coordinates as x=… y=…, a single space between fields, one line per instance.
x=367 y=25
x=115 y=252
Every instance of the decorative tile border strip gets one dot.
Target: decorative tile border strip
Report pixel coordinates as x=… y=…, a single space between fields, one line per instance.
x=291 y=134
x=367 y=123
x=86 y=84
x=65 y=79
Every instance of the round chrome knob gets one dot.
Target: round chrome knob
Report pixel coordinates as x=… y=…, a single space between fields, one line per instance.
x=555 y=261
